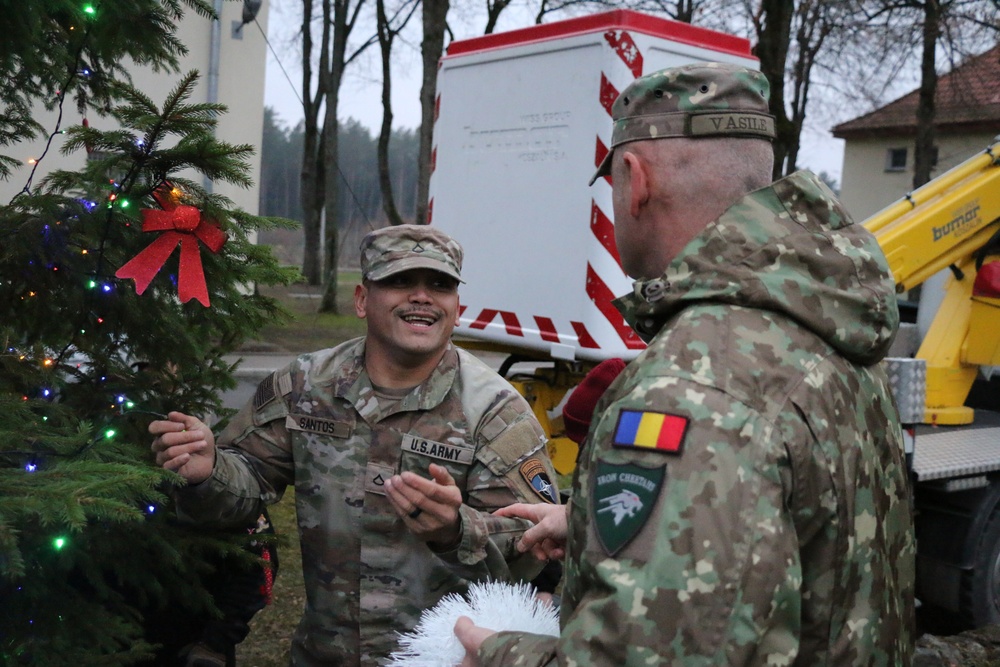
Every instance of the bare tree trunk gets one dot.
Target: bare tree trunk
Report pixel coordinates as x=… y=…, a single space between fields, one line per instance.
x=431 y=49
x=923 y=151
x=311 y=194
x=773 y=25
x=311 y=198
x=386 y=35
x=331 y=131
x=815 y=21
x=685 y=10
x=343 y=20
x=493 y=10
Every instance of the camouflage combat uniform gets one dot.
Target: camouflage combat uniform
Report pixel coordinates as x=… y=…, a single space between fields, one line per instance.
x=742 y=498
x=319 y=424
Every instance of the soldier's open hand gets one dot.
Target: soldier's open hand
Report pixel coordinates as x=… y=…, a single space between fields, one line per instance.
x=429 y=507
x=546 y=540
x=185 y=445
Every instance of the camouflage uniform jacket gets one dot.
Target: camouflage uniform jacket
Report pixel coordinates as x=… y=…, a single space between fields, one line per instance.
x=318 y=424
x=743 y=497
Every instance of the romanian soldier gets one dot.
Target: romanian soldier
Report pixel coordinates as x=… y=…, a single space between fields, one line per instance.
x=742 y=496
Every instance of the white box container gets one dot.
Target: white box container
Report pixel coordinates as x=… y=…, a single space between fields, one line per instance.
x=523 y=120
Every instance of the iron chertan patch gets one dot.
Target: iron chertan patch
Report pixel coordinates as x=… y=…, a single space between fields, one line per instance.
x=534 y=473
x=624 y=497
x=656 y=431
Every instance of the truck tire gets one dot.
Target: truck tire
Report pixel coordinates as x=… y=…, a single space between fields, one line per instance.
x=980 y=595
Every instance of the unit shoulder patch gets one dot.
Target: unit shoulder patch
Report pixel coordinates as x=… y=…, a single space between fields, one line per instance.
x=656 y=431
x=535 y=474
x=623 y=499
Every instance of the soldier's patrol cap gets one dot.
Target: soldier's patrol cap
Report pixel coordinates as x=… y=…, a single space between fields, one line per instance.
x=696 y=100
x=398 y=248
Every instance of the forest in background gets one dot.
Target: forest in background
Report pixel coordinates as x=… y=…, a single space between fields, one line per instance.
x=359 y=200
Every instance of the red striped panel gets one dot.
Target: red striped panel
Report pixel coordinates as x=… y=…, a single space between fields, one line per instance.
x=645 y=24
x=625 y=47
x=584 y=337
x=602 y=296
x=510 y=321
x=604 y=230
x=547 y=329
x=608 y=93
x=484 y=318
x=600 y=152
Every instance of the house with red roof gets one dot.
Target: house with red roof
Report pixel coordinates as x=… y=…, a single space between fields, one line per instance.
x=879 y=146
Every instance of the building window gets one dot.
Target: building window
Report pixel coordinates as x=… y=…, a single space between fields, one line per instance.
x=895 y=159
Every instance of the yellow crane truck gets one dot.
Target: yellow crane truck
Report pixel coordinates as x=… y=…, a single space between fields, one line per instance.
x=947 y=402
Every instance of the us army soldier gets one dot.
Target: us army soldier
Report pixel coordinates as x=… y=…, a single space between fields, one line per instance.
x=399 y=446
x=742 y=496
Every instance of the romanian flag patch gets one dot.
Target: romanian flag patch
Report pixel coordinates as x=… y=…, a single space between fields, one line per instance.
x=650 y=430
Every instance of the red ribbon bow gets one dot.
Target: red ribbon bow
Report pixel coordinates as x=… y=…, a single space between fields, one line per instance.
x=183 y=225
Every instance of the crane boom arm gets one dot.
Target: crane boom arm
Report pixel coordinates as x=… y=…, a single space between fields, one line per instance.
x=947 y=223
x=949 y=218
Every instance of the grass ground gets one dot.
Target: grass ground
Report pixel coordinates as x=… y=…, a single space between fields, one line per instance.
x=310 y=329
x=271 y=629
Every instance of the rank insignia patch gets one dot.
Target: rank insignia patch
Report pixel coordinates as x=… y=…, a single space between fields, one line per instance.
x=650 y=430
x=623 y=498
x=534 y=473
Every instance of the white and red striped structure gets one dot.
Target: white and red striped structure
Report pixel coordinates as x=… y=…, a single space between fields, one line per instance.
x=523 y=119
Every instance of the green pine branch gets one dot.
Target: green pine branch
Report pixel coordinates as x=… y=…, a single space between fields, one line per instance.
x=86 y=362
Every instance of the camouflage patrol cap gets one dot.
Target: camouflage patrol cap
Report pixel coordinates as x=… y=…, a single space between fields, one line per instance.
x=696 y=100
x=398 y=248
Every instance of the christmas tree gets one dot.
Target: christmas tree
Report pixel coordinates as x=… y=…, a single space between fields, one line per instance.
x=122 y=287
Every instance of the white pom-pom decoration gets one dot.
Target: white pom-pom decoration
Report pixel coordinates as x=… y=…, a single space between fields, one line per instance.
x=495 y=605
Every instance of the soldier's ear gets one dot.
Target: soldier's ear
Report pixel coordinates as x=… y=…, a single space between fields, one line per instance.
x=638 y=181
x=360 y=300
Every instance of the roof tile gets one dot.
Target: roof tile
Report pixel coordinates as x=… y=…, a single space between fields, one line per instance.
x=968 y=95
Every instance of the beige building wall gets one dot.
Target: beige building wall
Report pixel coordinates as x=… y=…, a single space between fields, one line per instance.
x=868 y=186
x=240 y=86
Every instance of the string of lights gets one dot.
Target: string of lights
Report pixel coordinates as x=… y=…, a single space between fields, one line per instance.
x=88 y=11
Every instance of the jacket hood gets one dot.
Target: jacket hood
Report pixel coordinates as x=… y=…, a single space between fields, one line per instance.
x=789 y=248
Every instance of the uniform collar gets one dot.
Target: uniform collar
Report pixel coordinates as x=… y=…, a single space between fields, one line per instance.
x=356 y=387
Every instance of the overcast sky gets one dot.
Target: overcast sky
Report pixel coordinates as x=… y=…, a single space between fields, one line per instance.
x=360 y=96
